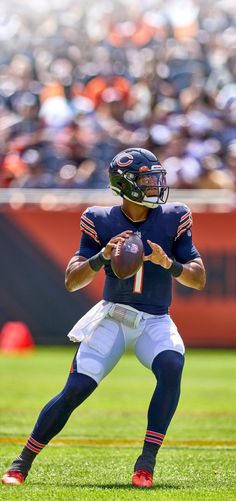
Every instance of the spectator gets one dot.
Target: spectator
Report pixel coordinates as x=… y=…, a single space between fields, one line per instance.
x=79 y=86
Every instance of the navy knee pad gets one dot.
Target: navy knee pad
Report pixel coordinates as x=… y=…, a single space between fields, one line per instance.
x=168 y=365
x=78 y=387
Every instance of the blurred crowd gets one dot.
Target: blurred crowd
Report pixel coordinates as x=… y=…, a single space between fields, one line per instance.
x=82 y=80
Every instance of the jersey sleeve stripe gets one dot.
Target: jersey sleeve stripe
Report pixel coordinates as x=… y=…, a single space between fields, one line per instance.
x=90 y=234
x=84 y=226
x=88 y=228
x=87 y=220
x=184 y=229
x=185 y=216
x=189 y=220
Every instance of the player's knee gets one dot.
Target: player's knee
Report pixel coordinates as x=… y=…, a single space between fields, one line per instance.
x=78 y=388
x=168 y=366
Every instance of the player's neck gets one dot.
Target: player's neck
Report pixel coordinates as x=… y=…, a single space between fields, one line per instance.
x=134 y=212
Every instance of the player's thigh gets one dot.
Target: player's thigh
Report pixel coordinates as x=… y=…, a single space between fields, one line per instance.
x=160 y=334
x=100 y=353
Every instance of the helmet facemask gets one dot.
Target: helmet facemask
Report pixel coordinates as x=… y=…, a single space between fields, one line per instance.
x=147 y=188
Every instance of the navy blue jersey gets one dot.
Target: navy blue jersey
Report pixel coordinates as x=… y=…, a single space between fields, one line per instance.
x=168 y=225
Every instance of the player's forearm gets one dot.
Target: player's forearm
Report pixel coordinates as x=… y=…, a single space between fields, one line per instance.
x=193 y=275
x=78 y=275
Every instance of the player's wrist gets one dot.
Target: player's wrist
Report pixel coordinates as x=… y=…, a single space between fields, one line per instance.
x=106 y=258
x=97 y=262
x=175 y=269
x=169 y=263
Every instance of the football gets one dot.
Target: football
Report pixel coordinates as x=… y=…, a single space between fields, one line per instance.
x=127 y=257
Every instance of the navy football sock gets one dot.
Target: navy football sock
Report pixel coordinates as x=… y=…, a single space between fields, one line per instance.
x=53 y=418
x=167 y=367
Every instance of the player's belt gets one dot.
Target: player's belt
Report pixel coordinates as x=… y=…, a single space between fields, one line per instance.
x=126 y=315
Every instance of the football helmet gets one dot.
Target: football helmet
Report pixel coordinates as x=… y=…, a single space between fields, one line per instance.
x=137 y=175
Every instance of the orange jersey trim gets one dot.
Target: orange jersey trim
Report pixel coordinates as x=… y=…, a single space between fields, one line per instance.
x=88 y=228
x=189 y=220
x=186 y=215
x=184 y=229
x=90 y=234
x=87 y=220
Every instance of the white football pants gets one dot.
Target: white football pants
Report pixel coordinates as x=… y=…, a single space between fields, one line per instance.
x=98 y=354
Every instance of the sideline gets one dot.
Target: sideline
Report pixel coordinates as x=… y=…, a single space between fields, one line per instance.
x=122 y=442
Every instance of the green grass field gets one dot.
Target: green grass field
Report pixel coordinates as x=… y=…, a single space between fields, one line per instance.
x=92 y=459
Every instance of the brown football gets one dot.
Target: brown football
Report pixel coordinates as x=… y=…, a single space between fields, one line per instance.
x=127 y=257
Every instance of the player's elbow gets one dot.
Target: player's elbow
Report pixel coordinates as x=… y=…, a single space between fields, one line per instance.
x=73 y=275
x=199 y=274
x=69 y=285
x=77 y=280
x=72 y=282
x=200 y=286
x=201 y=280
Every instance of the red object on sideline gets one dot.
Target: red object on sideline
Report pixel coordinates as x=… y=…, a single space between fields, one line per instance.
x=16 y=337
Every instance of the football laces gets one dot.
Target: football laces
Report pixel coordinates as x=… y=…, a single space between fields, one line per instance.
x=118 y=248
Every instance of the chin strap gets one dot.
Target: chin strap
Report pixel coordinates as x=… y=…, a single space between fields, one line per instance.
x=149 y=205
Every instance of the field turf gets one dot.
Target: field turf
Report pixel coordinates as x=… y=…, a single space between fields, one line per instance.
x=92 y=459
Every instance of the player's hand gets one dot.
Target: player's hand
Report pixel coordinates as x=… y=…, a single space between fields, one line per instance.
x=114 y=241
x=158 y=256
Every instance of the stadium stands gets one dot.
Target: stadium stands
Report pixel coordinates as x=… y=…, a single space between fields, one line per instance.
x=80 y=82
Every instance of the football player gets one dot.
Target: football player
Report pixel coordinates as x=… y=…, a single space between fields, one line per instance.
x=133 y=312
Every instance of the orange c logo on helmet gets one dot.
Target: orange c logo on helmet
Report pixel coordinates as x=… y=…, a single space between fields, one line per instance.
x=122 y=161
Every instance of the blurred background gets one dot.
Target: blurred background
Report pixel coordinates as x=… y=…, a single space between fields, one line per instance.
x=80 y=81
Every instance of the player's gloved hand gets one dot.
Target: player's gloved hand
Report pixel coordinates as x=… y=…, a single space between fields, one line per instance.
x=114 y=240
x=158 y=256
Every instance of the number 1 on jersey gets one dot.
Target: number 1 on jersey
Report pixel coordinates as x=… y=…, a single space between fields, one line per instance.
x=138 y=281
